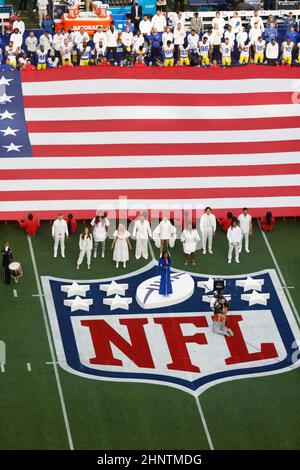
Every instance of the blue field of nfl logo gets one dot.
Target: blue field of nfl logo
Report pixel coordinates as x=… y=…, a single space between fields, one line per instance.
x=121 y=329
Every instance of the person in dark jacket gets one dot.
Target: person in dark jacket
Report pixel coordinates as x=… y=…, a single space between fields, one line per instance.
x=7 y=257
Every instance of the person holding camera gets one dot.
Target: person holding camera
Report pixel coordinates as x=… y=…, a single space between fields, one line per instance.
x=220 y=317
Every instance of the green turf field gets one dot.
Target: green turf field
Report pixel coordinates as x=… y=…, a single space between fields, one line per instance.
x=48 y=408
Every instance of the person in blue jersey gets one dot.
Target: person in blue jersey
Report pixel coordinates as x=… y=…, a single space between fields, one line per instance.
x=270 y=33
x=7 y=67
x=48 y=24
x=290 y=21
x=292 y=34
x=164 y=264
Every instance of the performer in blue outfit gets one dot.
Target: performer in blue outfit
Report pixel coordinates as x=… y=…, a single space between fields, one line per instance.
x=164 y=265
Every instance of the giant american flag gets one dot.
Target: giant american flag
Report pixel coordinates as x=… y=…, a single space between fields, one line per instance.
x=80 y=139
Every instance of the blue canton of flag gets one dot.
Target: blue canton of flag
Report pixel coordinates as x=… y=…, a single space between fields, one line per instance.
x=13 y=130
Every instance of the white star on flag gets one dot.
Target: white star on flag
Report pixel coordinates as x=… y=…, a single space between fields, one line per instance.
x=250 y=284
x=4 y=98
x=79 y=304
x=12 y=147
x=207 y=285
x=75 y=289
x=113 y=288
x=5 y=81
x=256 y=298
x=211 y=299
x=9 y=131
x=7 y=115
x=118 y=302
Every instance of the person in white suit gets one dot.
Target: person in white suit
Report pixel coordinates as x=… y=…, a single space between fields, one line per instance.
x=85 y=246
x=234 y=237
x=59 y=232
x=141 y=232
x=208 y=225
x=190 y=237
x=164 y=235
x=245 y=222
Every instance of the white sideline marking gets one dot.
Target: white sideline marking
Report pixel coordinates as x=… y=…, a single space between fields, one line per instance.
x=37 y=295
x=59 y=388
x=211 y=446
x=15 y=293
x=2 y=367
x=28 y=366
x=283 y=282
x=51 y=363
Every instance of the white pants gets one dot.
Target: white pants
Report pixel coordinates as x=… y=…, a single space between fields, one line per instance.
x=42 y=16
x=82 y=253
x=219 y=328
x=141 y=248
x=246 y=237
x=236 y=248
x=207 y=236
x=59 y=239
x=102 y=247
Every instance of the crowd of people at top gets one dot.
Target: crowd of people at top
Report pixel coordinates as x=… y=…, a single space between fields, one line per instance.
x=159 y=41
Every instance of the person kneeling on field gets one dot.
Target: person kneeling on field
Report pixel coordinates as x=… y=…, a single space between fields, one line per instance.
x=42 y=59
x=244 y=53
x=226 y=50
x=168 y=50
x=220 y=317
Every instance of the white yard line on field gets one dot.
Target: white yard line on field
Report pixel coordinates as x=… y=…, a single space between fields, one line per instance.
x=58 y=383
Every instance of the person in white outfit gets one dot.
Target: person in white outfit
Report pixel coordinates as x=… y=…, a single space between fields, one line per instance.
x=85 y=246
x=164 y=235
x=120 y=245
x=234 y=237
x=190 y=237
x=100 y=225
x=59 y=232
x=245 y=222
x=141 y=232
x=208 y=225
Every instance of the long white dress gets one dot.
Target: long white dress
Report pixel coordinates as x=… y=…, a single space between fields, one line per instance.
x=121 y=252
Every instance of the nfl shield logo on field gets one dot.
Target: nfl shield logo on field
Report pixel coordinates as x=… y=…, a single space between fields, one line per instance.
x=121 y=329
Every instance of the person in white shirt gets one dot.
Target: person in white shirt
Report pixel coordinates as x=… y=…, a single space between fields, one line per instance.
x=159 y=21
x=287 y=49
x=112 y=38
x=127 y=39
x=178 y=18
x=100 y=35
x=42 y=10
x=241 y=37
x=57 y=42
x=18 y=23
x=66 y=51
x=230 y=34
x=259 y=47
x=216 y=39
x=46 y=41
x=236 y=23
x=85 y=246
x=193 y=40
x=218 y=22
x=100 y=225
x=257 y=19
x=100 y=52
x=138 y=41
x=53 y=62
x=254 y=33
x=17 y=39
x=226 y=51
x=190 y=237
x=167 y=36
x=179 y=37
x=204 y=51
x=31 y=43
x=120 y=245
x=141 y=233
x=11 y=54
x=164 y=235
x=272 y=52
x=145 y=26
x=234 y=237
x=80 y=37
x=245 y=222
x=59 y=232
x=208 y=225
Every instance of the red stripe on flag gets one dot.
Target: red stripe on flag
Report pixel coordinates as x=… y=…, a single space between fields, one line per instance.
x=143 y=194
x=115 y=125
x=157 y=99
x=153 y=172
